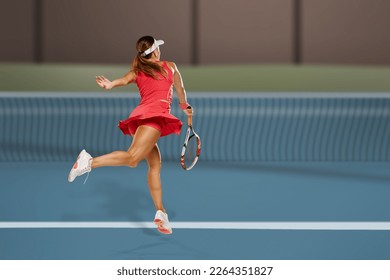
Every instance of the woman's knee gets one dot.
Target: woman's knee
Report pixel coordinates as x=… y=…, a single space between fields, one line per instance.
x=144 y=141
x=134 y=158
x=154 y=160
x=154 y=165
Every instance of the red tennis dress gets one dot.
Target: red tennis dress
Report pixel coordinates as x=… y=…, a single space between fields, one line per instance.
x=154 y=108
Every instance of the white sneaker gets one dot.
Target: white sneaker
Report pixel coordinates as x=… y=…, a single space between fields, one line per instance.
x=162 y=222
x=81 y=166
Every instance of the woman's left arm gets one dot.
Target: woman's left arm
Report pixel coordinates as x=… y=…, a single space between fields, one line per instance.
x=107 y=84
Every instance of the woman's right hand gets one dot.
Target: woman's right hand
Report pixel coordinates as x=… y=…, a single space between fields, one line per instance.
x=104 y=82
x=189 y=111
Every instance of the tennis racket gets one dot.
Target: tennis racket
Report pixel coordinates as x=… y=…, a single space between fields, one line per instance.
x=191 y=148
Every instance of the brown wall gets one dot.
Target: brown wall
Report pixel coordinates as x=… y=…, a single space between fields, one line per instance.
x=227 y=31
x=17 y=30
x=95 y=31
x=346 y=31
x=245 y=31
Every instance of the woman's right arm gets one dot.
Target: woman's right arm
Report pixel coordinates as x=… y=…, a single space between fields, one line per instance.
x=107 y=84
x=180 y=91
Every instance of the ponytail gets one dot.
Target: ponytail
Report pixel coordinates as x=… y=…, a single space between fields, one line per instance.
x=141 y=63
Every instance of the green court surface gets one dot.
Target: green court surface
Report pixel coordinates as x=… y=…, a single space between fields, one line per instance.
x=210 y=78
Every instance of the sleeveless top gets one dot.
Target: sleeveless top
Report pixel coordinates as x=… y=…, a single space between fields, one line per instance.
x=155 y=104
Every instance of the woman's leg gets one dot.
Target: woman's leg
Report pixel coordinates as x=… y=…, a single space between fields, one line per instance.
x=144 y=141
x=154 y=181
x=161 y=218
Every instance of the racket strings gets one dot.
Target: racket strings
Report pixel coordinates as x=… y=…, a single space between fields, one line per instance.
x=191 y=151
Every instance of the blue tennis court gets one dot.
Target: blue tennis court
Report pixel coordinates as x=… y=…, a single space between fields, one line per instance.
x=308 y=176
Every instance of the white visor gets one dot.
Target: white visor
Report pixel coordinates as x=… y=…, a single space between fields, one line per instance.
x=153 y=47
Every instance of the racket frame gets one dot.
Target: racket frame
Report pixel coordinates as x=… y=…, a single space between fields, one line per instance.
x=189 y=134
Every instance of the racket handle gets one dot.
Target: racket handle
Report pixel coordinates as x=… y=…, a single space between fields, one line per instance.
x=189 y=109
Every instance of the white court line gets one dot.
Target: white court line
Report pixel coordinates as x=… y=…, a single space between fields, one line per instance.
x=209 y=225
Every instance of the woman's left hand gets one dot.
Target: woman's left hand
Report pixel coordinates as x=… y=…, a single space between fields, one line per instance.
x=104 y=82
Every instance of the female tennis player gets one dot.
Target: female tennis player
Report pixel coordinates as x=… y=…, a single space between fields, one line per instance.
x=149 y=121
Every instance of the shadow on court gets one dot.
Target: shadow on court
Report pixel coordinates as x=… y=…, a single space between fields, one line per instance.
x=374 y=171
